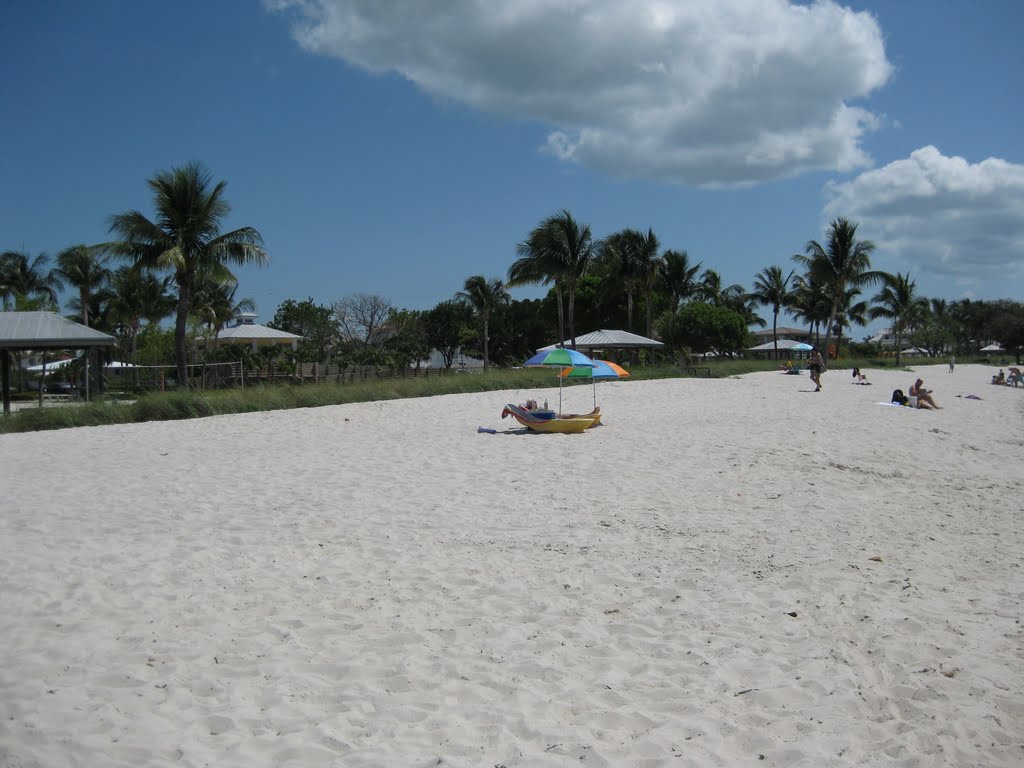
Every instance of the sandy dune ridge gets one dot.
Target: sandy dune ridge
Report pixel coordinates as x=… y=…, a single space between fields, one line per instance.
x=729 y=572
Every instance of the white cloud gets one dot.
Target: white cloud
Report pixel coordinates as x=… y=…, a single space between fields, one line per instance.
x=941 y=215
x=712 y=92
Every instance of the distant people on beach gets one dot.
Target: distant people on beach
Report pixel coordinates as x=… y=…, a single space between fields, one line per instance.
x=999 y=378
x=859 y=378
x=952 y=363
x=921 y=397
x=1016 y=377
x=817 y=365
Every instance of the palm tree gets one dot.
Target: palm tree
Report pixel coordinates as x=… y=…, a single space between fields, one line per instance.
x=632 y=257
x=896 y=302
x=27 y=281
x=185 y=240
x=484 y=296
x=83 y=268
x=561 y=251
x=678 y=277
x=809 y=303
x=215 y=304
x=138 y=296
x=844 y=263
x=850 y=311
x=711 y=290
x=772 y=289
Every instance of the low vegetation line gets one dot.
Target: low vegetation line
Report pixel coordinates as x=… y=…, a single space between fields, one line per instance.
x=181 y=404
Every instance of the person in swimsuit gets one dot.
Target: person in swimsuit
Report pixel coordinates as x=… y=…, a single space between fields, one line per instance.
x=817 y=365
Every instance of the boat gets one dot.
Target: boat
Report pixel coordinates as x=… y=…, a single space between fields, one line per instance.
x=594 y=414
x=547 y=421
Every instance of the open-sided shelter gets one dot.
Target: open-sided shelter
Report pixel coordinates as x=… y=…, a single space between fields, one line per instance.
x=42 y=330
x=605 y=339
x=248 y=332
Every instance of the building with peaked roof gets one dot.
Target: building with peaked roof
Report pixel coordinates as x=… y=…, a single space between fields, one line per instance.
x=605 y=339
x=250 y=333
x=783 y=332
x=42 y=330
x=788 y=349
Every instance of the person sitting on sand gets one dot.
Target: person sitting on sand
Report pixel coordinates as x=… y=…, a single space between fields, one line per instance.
x=999 y=378
x=922 y=395
x=859 y=378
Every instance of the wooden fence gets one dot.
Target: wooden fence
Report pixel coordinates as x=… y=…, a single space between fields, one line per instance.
x=320 y=373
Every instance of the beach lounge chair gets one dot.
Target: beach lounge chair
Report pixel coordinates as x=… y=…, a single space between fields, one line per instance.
x=547 y=421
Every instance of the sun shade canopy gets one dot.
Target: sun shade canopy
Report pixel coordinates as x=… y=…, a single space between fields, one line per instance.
x=46 y=330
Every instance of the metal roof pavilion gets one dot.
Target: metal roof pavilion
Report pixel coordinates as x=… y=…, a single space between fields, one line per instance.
x=42 y=330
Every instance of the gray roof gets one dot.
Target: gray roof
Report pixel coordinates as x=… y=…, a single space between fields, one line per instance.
x=46 y=330
x=781 y=331
x=254 y=332
x=770 y=345
x=612 y=340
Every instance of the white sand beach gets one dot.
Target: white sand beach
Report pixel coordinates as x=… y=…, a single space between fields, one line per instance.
x=728 y=572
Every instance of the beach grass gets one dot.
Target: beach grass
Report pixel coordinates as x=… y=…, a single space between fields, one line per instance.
x=181 y=404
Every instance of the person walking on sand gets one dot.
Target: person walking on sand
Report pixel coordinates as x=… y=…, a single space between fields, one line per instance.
x=952 y=363
x=817 y=365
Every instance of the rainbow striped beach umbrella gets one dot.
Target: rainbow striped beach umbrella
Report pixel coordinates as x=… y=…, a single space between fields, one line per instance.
x=559 y=357
x=604 y=369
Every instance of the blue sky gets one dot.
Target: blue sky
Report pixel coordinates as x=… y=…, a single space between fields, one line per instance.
x=395 y=148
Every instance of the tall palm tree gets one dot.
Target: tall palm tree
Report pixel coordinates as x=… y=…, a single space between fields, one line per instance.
x=678 y=277
x=215 y=304
x=484 y=296
x=138 y=296
x=851 y=312
x=712 y=291
x=772 y=289
x=632 y=258
x=27 y=281
x=843 y=263
x=561 y=251
x=83 y=268
x=185 y=240
x=896 y=301
x=810 y=303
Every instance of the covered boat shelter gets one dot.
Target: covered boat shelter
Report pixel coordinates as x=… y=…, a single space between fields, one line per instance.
x=42 y=331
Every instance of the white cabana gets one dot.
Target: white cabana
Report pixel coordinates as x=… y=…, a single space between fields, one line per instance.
x=787 y=348
x=250 y=333
x=604 y=339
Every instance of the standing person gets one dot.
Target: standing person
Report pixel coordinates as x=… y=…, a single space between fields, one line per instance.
x=817 y=365
x=952 y=363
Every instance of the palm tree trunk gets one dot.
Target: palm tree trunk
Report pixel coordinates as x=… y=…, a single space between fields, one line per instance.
x=828 y=329
x=775 y=332
x=561 y=313
x=180 y=323
x=572 y=315
x=629 y=310
x=486 y=344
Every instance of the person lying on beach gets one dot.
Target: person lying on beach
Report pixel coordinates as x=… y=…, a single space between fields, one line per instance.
x=922 y=395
